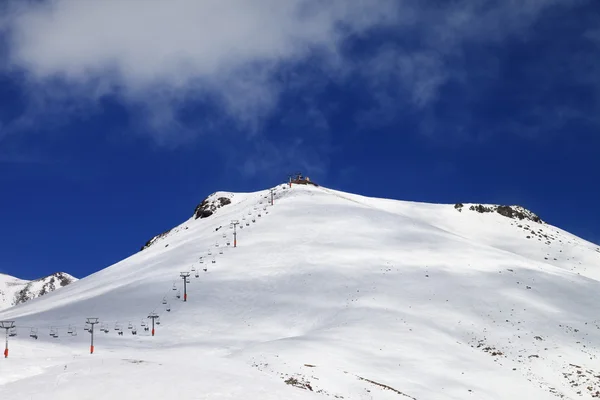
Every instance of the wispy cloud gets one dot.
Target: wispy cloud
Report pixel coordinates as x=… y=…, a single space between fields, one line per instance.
x=159 y=52
x=233 y=57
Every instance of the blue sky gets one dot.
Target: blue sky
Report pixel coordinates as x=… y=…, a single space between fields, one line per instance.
x=117 y=119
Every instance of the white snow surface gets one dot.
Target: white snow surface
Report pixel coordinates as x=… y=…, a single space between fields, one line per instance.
x=339 y=295
x=11 y=288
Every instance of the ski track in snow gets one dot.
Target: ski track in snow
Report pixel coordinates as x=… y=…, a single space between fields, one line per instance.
x=328 y=295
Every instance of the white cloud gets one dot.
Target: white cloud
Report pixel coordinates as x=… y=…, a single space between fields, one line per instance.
x=227 y=51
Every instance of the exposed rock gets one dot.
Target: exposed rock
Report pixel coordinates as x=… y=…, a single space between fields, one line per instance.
x=209 y=206
x=40 y=287
x=513 y=212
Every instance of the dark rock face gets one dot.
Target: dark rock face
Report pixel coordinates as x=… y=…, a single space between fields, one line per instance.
x=208 y=207
x=514 y=212
x=42 y=286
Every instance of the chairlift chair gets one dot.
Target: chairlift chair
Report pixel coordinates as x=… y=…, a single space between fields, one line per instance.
x=130 y=326
x=168 y=308
x=174 y=286
x=201 y=261
x=228 y=243
x=193 y=269
x=70 y=330
x=158 y=321
x=259 y=215
x=210 y=253
x=247 y=223
x=253 y=220
x=224 y=236
x=143 y=324
x=34 y=333
x=74 y=331
x=221 y=251
x=178 y=295
x=117 y=326
x=214 y=261
x=164 y=300
x=217 y=244
x=187 y=280
x=12 y=332
x=197 y=275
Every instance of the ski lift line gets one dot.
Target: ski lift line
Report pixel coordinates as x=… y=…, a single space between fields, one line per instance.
x=55 y=329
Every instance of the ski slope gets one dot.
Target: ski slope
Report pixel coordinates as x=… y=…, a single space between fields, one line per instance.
x=328 y=295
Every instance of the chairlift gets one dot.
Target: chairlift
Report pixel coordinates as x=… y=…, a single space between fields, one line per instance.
x=12 y=332
x=34 y=333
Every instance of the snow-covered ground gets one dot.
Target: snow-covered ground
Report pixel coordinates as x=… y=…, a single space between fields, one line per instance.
x=15 y=291
x=328 y=295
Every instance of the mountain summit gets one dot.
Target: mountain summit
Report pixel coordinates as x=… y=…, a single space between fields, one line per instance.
x=15 y=291
x=327 y=295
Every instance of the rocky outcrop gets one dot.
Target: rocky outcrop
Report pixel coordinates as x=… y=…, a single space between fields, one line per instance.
x=209 y=206
x=514 y=212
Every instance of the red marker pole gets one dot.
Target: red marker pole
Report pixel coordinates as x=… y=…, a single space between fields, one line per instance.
x=6 y=325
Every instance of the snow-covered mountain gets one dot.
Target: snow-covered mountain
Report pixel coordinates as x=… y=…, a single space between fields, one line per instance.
x=327 y=295
x=16 y=291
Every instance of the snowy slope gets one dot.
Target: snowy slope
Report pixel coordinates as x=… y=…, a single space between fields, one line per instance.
x=16 y=291
x=328 y=295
